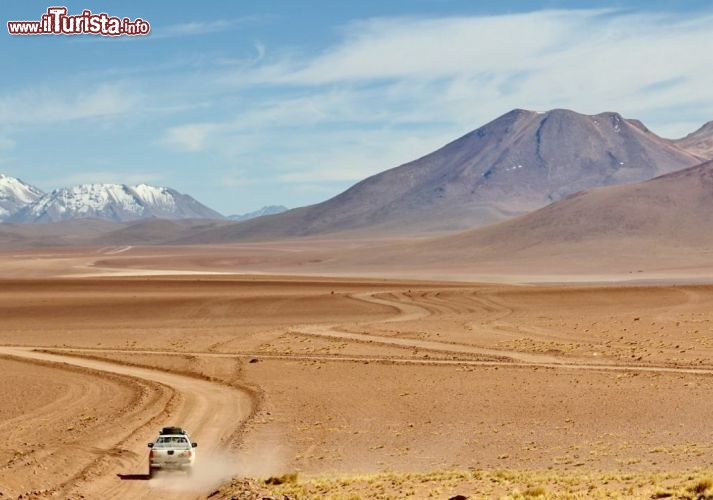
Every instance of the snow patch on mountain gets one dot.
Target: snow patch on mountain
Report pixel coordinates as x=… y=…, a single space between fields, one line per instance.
x=87 y=199
x=117 y=202
x=155 y=196
x=15 y=195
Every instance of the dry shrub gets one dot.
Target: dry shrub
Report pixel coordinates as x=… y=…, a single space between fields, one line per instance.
x=290 y=478
x=702 y=487
x=534 y=492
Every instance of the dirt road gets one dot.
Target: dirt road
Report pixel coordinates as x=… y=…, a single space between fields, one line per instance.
x=213 y=412
x=505 y=360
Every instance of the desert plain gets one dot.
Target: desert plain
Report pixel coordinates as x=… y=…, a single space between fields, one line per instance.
x=366 y=385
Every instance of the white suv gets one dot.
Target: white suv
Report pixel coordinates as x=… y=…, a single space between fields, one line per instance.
x=172 y=449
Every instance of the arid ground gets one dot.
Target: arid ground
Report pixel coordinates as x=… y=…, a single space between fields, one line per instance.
x=364 y=387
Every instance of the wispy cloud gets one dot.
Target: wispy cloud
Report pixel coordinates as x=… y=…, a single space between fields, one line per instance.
x=280 y=154
x=389 y=48
x=260 y=51
x=195 y=28
x=54 y=105
x=191 y=137
x=589 y=60
x=181 y=30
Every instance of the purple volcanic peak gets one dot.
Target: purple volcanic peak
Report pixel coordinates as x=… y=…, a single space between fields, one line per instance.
x=522 y=161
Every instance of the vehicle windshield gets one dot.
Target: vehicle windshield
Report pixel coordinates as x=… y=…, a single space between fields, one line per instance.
x=175 y=442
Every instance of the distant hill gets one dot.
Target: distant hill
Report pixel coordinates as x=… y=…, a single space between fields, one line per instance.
x=152 y=231
x=267 y=210
x=699 y=142
x=520 y=162
x=663 y=222
x=63 y=233
x=15 y=195
x=114 y=202
x=101 y=233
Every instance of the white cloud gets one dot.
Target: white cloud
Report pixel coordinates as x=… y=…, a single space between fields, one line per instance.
x=194 y=28
x=180 y=30
x=305 y=156
x=190 y=137
x=352 y=155
x=465 y=68
x=441 y=47
x=52 y=105
x=260 y=51
x=272 y=116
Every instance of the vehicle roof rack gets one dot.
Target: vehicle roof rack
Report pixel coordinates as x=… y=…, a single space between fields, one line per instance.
x=172 y=430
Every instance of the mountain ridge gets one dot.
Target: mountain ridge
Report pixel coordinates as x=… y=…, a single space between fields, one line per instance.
x=115 y=202
x=661 y=223
x=519 y=162
x=266 y=210
x=699 y=142
x=15 y=194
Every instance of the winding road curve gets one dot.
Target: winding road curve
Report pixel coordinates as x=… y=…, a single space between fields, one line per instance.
x=213 y=412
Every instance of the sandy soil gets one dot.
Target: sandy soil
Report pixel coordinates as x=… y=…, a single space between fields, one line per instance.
x=116 y=466
x=396 y=259
x=56 y=422
x=328 y=377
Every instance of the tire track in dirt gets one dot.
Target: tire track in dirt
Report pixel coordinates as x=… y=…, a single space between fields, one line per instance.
x=413 y=311
x=405 y=311
x=211 y=411
x=410 y=312
x=46 y=458
x=562 y=364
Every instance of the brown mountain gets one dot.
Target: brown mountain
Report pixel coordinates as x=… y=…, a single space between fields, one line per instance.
x=664 y=223
x=517 y=163
x=154 y=231
x=100 y=232
x=699 y=143
x=63 y=233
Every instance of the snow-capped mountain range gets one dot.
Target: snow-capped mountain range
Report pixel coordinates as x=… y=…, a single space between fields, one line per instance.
x=117 y=202
x=15 y=195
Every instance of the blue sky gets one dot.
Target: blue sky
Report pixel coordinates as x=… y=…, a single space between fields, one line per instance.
x=244 y=104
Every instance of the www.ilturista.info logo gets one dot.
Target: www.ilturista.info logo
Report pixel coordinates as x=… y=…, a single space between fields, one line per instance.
x=57 y=22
